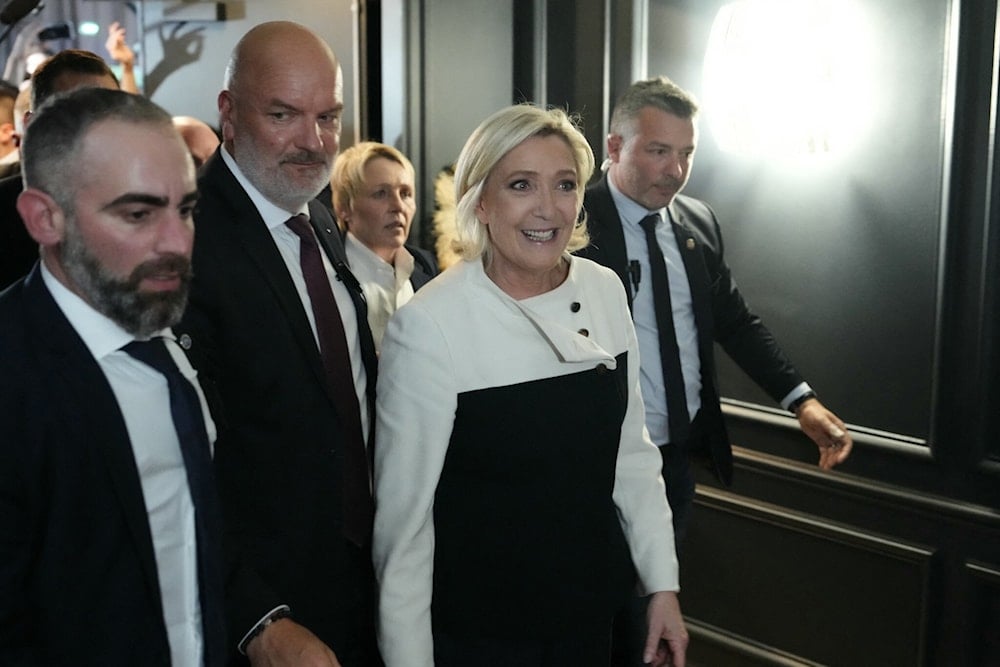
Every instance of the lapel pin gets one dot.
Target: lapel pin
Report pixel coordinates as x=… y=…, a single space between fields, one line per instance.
x=184 y=341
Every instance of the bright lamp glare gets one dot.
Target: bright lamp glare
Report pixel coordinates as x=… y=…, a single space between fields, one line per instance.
x=89 y=28
x=787 y=76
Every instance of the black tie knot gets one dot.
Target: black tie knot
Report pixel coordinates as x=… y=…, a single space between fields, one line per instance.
x=153 y=353
x=185 y=406
x=649 y=223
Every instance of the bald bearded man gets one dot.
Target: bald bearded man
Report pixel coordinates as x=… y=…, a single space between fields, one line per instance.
x=264 y=304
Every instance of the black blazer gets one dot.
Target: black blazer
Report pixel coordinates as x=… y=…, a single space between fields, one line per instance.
x=721 y=314
x=424 y=266
x=78 y=577
x=278 y=453
x=18 y=251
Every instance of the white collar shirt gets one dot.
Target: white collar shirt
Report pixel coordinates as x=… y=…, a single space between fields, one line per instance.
x=654 y=390
x=386 y=286
x=288 y=245
x=144 y=401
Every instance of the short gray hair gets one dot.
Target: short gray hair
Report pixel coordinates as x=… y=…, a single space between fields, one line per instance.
x=660 y=93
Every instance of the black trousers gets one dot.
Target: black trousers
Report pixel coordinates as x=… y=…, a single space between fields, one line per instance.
x=629 y=633
x=585 y=649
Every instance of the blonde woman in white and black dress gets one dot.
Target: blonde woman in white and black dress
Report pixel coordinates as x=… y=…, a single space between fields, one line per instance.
x=515 y=483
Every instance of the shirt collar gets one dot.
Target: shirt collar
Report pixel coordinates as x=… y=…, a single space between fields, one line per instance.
x=100 y=334
x=273 y=215
x=630 y=211
x=403 y=261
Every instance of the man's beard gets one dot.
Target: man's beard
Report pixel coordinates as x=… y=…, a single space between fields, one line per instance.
x=273 y=182
x=139 y=313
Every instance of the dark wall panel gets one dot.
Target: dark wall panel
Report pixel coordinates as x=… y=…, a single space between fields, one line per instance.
x=983 y=628
x=804 y=585
x=575 y=62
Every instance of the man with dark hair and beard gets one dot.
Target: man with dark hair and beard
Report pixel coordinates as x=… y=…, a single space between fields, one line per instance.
x=109 y=525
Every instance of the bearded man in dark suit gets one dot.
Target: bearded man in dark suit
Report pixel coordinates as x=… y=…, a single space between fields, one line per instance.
x=110 y=528
x=278 y=327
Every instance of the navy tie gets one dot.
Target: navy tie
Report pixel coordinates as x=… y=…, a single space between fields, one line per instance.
x=670 y=357
x=357 y=498
x=189 y=421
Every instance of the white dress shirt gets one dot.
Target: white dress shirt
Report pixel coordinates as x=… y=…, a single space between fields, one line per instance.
x=654 y=391
x=288 y=244
x=386 y=286
x=144 y=400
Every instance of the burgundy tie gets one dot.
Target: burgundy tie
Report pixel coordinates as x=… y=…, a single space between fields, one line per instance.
x=358 y=506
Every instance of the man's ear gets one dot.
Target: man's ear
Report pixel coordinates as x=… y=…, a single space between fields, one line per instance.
x=43 y=217
x=615 y=142
x=225 y=104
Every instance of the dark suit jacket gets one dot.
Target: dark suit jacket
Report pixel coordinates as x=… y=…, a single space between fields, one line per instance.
x=78 y=577
x=721 y=314
x=424 y=266
x=18 y=251
x=278 y=453
x=10 y=169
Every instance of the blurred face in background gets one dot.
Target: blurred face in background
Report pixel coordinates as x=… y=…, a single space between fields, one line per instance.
x=201 y=139
x=381 y=214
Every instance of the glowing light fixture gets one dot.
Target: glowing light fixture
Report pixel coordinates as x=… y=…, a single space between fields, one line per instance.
x=787 y=77
x=89 y=28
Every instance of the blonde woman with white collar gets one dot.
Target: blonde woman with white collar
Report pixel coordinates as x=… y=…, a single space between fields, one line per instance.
x=515 y=485
x=374 y=199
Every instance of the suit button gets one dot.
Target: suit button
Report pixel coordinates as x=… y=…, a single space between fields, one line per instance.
x=583 y=332
x=601 y=369
x=575 y=306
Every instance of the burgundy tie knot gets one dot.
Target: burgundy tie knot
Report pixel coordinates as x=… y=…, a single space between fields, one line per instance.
x=300 y=225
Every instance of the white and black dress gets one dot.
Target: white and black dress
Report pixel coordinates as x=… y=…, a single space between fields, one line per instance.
x=515 y=483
